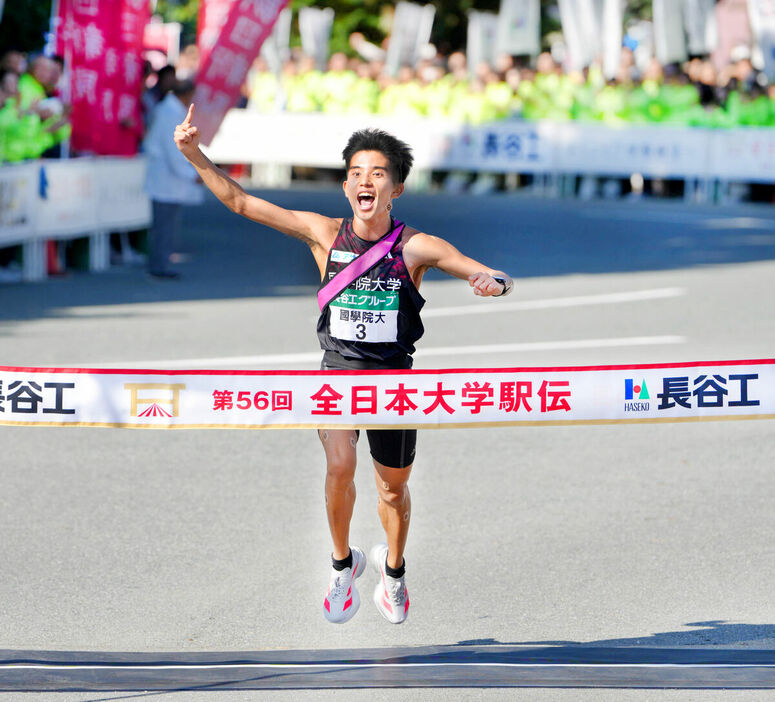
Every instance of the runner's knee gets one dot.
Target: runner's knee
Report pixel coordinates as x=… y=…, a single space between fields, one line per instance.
x=395 y=495
x=341 y=455
x=340 y=467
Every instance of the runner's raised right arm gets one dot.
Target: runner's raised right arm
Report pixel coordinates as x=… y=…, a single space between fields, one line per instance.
x=312 y=228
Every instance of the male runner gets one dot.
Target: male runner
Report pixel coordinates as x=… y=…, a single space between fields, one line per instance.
x=380 y=337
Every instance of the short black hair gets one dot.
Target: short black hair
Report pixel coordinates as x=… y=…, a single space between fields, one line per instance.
x=397 y=152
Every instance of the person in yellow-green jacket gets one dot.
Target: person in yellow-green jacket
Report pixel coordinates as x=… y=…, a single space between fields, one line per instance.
x=263 y=87
x=37 y=93
x=403 y=96
x=336 y=85
x=364 y=94
x=32 y=84
x=7 y=118
x=21 y=128
x=302 y=86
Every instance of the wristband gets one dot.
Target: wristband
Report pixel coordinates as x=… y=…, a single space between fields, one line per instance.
x=506 y=287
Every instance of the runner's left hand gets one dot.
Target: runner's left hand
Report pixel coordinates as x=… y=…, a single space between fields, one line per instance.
x=485 y=285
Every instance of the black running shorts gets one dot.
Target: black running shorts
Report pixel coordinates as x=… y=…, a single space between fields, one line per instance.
x=394 y=448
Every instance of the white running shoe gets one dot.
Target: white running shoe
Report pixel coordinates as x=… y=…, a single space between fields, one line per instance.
x=390 y=595
x=342 y=599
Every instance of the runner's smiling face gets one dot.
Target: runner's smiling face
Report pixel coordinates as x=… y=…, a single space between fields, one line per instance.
x=369 y=186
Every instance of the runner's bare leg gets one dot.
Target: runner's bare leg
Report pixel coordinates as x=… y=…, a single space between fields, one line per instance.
x=395 y=508
x=339 y=445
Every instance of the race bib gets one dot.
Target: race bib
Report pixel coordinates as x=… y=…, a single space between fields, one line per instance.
x=370 y=316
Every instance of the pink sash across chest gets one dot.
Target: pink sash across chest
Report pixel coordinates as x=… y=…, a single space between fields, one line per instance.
x=358 y=267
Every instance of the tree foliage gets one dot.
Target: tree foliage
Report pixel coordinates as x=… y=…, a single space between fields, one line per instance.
x=365 y=16
x=637 y=9
x=183 y=11
x=372 y=18
x=24 y=25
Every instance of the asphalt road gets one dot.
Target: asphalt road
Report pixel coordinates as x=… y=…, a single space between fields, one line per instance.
x=627 y=539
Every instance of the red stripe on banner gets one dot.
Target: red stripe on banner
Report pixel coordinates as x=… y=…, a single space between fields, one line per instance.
x=411 y=371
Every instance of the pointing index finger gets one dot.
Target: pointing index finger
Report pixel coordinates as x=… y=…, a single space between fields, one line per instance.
x=190 y=115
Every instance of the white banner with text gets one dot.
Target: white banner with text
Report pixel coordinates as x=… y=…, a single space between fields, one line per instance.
x=444 y=398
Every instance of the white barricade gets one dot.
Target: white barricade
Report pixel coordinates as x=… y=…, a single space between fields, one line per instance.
x=743 y=155
x=122 y=204
x=316 y=139
x=501 y=147
x=52 y=199
x=17 y=196
x=655 y=152
x=510 y=146
x=67 y=199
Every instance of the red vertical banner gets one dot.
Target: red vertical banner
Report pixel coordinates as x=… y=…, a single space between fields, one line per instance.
x=212 y=16
x=221 y=76
x=101 y=41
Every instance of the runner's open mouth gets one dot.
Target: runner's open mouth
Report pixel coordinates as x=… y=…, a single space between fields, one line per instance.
x=365 y=200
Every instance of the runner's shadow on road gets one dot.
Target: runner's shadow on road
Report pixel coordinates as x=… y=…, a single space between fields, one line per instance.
x=713 y=655
x=708 y=633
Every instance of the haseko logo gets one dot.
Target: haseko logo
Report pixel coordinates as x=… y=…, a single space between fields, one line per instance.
x=635 y=395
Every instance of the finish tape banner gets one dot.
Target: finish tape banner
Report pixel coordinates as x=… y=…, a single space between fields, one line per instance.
x=427 y=399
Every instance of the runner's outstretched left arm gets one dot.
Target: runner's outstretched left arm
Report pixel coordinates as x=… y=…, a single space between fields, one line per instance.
x=431 y=251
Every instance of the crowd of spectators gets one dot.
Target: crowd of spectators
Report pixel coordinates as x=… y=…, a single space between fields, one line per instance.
x=692 y=94
x=34 y=115
x=34 y=119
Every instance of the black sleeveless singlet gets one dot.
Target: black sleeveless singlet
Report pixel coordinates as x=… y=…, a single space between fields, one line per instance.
x=377 y=318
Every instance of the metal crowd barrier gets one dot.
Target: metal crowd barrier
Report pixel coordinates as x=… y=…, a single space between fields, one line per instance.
x=68 y=199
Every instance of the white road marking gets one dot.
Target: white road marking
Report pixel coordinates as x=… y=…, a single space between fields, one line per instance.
x=553 y=345
x=749 y=240
x=575 y=301
x=273 y=359
x=639 y=215
x=738 y=223
x=670 y=216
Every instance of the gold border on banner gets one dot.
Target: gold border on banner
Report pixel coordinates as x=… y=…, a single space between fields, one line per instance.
x=362 y=427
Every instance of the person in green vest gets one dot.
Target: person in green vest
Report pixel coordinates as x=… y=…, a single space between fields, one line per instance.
x=751 y=108
x=263 y=87
x=403 y=96
x=37 y=94
x=33 y=84
x=300 y=88
x=513 y=77
x=364 y=94
x=528 y=93
x=476 y=108
x=7 y=117
x=609 y=104
x=499 y=95
x=337 y=84
x=22 y=128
